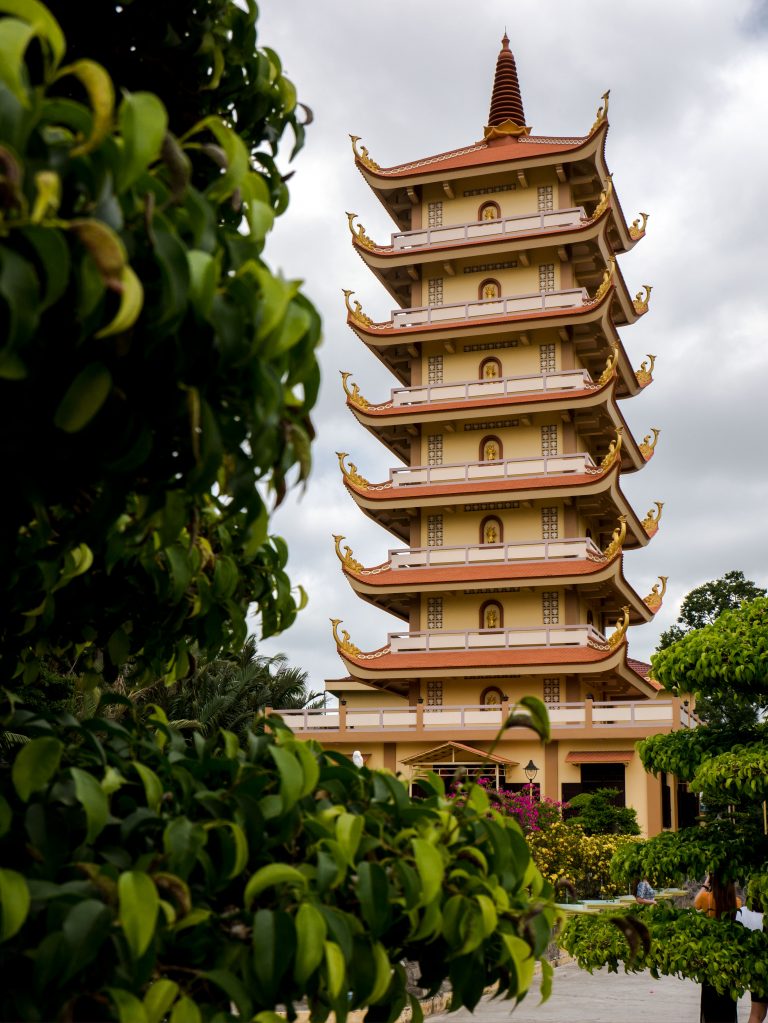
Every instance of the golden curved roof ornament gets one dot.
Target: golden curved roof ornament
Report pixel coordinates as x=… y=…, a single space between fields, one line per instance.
x=358 y=233
x=621 y=629
x=637 y=230
x=653 y=518
x=607 y=280
x=350 y=472
x=641 y=300
x=605 y=198
x=346 y=559
x=611 y=364
x=343 y=642
x=362 y=155
x=353 y=393
x=614 y=450
x=655 y=597
x=356 y=313
x=617 y=540
x=602 y=111
x=648 y=446
x=644 y=375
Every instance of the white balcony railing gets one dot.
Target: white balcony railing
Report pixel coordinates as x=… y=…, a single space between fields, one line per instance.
x=548 y=220
x=493 y=387
x=483 y=308
x=600 y=717
x=575 y=549
x=438 y=641
x=500 y=469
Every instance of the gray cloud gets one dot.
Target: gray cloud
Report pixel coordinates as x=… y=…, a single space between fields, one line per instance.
x=686 y=144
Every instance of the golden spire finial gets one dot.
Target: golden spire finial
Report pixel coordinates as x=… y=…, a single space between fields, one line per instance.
x=637 y=230
x=617 y=540
x=655 y=597
x=614 y=450
x=648 y=446
x=621 y=629
x=644 y=375
x=350 y=473
x=346 y=559
x=362 y=156
x=353 y=393
x=605 y=283
x=653 y=518
x=343 y=642
x=610 y=366
x=356 y=313
x=641 y=300
x=602 y=111
x=605 y=198
x=359 y=235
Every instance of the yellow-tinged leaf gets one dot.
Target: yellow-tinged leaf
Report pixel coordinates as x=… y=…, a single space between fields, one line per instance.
x=48 y=197
x=269 y=876
x=101 y=95
x=42 y=21
x=104 y=247
x=335 y=967
x=311 y=931
x=159 y=998
x=131 y=302
x=14 y=903
x=488 y=912
x=383 y=973
x=139 y=905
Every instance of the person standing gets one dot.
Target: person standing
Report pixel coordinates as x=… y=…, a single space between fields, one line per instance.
x=717 y=900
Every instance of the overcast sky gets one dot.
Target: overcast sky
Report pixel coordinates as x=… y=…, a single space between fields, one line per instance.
x=688 y=142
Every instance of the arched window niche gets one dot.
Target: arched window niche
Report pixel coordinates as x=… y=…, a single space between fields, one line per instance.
x=491 y=449
x=491 y=530
x=490 y=368
x=489 y=211
x=491 y=615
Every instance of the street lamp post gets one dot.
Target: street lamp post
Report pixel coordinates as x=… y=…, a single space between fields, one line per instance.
x=530 y=770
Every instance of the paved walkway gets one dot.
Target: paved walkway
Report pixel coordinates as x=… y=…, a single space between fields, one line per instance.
x=602 y=997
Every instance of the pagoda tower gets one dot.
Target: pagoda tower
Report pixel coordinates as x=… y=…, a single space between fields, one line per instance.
x=507 y=509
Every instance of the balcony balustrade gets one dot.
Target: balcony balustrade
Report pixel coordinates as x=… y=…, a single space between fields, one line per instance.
x=574 y=549
x=547 y=220
x=492 y=387
x=485 y=308
x=440 y=640
x=499 y=469
x=587 y=716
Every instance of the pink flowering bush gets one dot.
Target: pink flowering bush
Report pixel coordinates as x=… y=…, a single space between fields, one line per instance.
x=532 y=814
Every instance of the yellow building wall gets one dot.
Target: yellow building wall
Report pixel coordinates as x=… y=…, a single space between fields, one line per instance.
x=516 y=441
x=521 y=360
x=512 y=200
x=522 y=610
x=521 y=280
x=520 y=524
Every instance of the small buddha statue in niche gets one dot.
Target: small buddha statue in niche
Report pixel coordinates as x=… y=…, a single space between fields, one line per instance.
x=491 y=370
x=490 y=213
x=491 y=533
x=490 y=291
x=492 y=617
x=490 y=451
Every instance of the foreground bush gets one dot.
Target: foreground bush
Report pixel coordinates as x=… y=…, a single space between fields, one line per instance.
x=145 y=874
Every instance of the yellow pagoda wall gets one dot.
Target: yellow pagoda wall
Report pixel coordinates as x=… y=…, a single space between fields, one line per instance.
x=520 y=524
x=520 y=280
x=512 y=201
x=517 y=441
x=521 y=610
x=521 y=360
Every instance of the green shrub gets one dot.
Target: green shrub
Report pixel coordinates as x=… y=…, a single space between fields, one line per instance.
x=597 y=814
x=144 y=874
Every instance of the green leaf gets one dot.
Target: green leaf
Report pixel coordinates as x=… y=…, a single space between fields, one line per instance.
x=520 y=954
x=53 y=254
x=373 y=893
x=159 y=998
x=20 y=290
x=186 y=1011
x=14 y=903
x=40 y=18
x=93 y=800
x=203 y=278
x=139 y=905
x=240 y=843
x=383 y=973
x=546 y=979
x=291 y=775
x=311 y=932
x=153 y=787
x=539 y=716
x=335 y=968
x=270 y=876
x=35 y=765
x=236 y=156
x=129 y=1008
x=143 y=123
x=101 y=95
x=84 y=397
x=85 y=928
x=105 y=248
x=15 y=37
x=349 y=830
x=233 y=987
x=131 y=303
x=6 y=816
x=429 y=864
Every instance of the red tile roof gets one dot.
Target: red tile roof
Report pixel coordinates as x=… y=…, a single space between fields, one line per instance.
x=456 y=659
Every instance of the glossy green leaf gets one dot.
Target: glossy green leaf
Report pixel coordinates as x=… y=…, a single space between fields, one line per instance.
x=269 y=877
x=539 y=716
x=153 y=787
x=233 y=987
x=101 y=95
x=383 y=973
x=139 y=904
x=20 y=291
x=520 y=954
x=237 y=163
x=52 y=251
x=131 y=303
x=129 y=1008
x=311 y=933
x=35 y=765
x=86 y=928
x=186 y=1010
x=291 y=775
x=104 y=246
x=42 y=21
x=335 y=968
x=143 y=123
x=93 y=800
x=14 y=903
x=159 y=998
x=203 y=278
x=349 y=830
x=15 y=37
x=84 y=397
x=429 y=864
